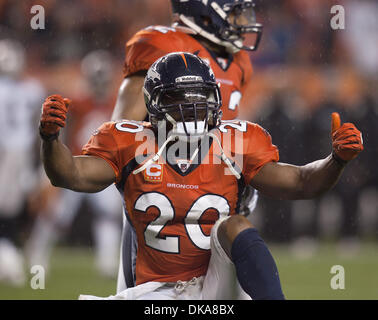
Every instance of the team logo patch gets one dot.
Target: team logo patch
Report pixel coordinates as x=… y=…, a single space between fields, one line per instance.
x=183 y=165
x=222 y=62
x=154 y=173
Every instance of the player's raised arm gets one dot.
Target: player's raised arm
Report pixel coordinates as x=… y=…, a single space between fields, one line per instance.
x=79 y=173
x=285 y=181
x=130 y=102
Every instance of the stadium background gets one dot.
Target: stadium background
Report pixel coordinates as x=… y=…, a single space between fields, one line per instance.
x=303 y=71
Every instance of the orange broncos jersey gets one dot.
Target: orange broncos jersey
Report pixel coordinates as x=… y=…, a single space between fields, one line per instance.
x=149 y=44
x=173 y=211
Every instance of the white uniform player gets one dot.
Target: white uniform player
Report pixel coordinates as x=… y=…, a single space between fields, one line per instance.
x=87 y=114
x=20 y=101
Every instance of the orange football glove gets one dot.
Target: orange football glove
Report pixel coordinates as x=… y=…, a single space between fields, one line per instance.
x=53 y=117
x=346 y=140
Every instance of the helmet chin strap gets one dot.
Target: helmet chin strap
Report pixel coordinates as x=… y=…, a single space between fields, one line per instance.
x=224 y=158
x=156 y=157
x=189 y=131
x=175 y=135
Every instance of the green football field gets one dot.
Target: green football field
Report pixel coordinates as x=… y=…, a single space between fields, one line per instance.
x=72 y=273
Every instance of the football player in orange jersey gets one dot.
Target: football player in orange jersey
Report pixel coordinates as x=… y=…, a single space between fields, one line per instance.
x=215 y=30
x=181 y=176
x=219 y=31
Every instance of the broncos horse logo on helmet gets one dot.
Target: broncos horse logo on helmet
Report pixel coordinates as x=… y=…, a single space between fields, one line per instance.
x=180 y=89
x=224 y=22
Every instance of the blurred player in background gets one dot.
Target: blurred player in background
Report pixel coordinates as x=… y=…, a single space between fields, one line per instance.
x=217 y=32
x=19 y=111
x=221 y=32
x=87 y=114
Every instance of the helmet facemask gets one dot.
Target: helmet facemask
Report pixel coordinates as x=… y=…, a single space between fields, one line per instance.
x=243 y=27
x=229 y=24
x=187 y=110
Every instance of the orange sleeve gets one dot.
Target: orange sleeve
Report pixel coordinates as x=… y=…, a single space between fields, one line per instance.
x=153 y=42
x=139 y=57
x=245 y=64
x=143 y=50
x=259 y=151
x=103 y=144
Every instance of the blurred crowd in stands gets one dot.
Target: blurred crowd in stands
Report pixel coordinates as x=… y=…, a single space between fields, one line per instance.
x=303 y=71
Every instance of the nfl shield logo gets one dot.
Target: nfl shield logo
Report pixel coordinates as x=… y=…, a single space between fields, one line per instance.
x=183 y=165
x=222 y=62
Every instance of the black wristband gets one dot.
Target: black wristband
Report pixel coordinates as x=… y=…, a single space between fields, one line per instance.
x=338 y=160
x=48 y=138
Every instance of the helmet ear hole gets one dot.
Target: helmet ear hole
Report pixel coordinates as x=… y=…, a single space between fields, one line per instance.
x=206 y=21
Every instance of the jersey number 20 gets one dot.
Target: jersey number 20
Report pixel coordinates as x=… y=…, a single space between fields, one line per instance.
x=171 y=244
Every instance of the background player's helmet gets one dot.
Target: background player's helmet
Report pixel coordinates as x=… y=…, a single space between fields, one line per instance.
x=12 y=57
x=97 y=68
x=224 y=22
x=180 y=89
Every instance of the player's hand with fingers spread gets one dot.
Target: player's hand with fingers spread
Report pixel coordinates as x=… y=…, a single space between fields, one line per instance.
x=346 y=140
x=53 y=118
